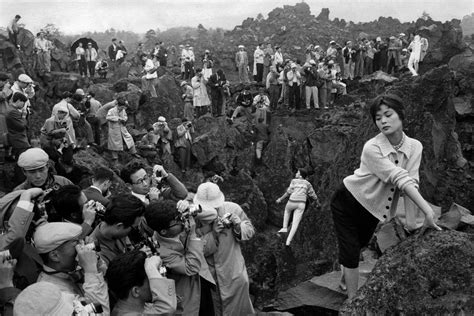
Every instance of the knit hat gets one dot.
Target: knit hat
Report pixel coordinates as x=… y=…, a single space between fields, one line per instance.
x=209 y=195
x=43 y=298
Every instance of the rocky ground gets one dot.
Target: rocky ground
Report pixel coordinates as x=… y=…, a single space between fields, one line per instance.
x=439 y=106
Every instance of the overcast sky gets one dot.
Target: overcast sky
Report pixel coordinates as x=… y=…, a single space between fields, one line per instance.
x=77 y=16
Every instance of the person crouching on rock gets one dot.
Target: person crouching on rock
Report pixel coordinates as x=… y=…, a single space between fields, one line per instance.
x=299 y=190
x=389 y=166
x=118 y=133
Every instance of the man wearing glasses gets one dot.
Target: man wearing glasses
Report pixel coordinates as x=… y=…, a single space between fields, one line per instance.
x=160 y=185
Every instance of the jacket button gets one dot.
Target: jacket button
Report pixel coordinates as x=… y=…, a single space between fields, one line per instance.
x=392 y=189
x=387 y=207
x=396 y=161
x=385 y=216
x=389 y=198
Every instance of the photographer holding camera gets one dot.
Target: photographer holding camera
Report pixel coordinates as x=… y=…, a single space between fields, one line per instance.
x=201 y=100
x=180 y=249
x=165 y=136
x=184 y=143
x=222 y=249
x=139 y=287
x=160 y=185
x=59 y=245
x=34 y=163
x=261 y=102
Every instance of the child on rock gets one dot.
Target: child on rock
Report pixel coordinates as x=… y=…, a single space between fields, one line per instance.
x=298 y=191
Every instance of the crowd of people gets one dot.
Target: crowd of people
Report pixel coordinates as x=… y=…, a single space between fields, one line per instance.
x=161 y=247
x=157 y=248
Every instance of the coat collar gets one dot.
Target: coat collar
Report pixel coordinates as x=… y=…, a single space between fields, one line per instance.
x=387 y=148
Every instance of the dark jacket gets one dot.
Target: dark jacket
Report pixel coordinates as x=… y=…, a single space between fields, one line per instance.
x=245 y=100
x=311 y=76
x=17 y=130
x=113 y=51
x=95 y=195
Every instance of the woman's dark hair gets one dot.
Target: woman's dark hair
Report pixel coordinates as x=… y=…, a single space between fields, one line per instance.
x=17 y=96
x=303 y=172
x=392 y=101
x=126 y=271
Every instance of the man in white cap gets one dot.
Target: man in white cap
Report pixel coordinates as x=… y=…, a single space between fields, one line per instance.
x=34 y=163
x=242 y=64
x=165 y=136
x=227 y=263
x=45 y=298
x=332 y=50
x=311 y=85
x=24 y=84
x=294 y=81
x=58 y=245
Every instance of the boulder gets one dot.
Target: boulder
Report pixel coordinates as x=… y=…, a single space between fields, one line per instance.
x=431 y=274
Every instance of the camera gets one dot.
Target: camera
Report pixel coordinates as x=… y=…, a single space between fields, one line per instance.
x=226 y=221
x=42 y=204
x=99 y=208
x=5 y=255
x=192 y=210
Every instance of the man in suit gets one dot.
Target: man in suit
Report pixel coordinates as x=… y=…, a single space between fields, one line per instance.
x=101 y=182
x=17 y=125
x=113 y=48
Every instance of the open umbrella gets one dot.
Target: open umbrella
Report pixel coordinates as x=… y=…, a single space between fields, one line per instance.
x=84 y=41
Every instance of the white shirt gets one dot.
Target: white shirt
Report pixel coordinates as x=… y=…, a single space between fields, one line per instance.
x=149 y=65
x=141 y=197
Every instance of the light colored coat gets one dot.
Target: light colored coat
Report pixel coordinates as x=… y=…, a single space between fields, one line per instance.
x=200 y=97
x=183 y=265
x=118 y=132
x=228 y=265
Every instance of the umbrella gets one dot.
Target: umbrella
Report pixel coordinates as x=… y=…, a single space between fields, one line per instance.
x=84 y=41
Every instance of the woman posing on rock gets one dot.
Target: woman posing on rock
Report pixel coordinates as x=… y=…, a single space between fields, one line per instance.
x=389 y=165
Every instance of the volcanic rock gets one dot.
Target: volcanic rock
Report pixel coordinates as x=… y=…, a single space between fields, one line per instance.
x=423 y=275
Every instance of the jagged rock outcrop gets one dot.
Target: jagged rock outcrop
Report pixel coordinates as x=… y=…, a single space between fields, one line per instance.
x=423 y=275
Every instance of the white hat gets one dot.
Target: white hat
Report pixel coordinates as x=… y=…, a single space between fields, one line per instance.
x=208 y=194
x=332 y=42
x=241 y=46
x=50 y=236
x=161 y=119
x=293 y=65
x=43 y=298
x=183 y=83
x=80 y=92
x=62 y=107
x=401 y=34
x=331 y=62
x=25 y=78
x=33 y=158
x=312 y=62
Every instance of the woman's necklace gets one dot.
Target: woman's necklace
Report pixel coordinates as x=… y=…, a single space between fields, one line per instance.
x=400 y=144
